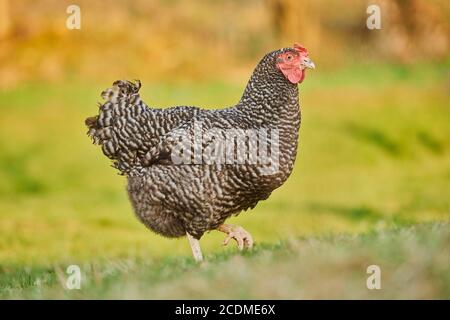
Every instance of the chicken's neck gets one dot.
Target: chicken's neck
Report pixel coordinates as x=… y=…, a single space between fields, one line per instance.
x=272 y=102
x=270 y=99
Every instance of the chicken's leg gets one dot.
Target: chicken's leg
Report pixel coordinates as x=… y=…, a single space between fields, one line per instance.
x=243 y=238
x=195 y=246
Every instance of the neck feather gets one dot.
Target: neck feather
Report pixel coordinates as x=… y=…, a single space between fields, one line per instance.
x=268 y=94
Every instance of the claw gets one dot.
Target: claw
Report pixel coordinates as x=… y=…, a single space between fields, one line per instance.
x=239 y=234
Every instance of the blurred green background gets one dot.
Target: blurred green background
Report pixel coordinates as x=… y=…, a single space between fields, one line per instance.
x=374 y=143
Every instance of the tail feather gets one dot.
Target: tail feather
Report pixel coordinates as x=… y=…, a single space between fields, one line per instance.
x=126 y=128
x=102 y=128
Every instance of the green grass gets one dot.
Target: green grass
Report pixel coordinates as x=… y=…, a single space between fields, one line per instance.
x=374 y=154
x=414 y=264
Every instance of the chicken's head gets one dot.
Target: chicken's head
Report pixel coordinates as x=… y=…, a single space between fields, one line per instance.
x=292 y=62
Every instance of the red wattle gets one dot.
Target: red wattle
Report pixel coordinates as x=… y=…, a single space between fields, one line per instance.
x=295 y=75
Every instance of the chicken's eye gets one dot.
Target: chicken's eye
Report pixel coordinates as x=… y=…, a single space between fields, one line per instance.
x=289 y=57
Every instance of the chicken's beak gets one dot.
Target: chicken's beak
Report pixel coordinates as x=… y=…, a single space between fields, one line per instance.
x=307 y=63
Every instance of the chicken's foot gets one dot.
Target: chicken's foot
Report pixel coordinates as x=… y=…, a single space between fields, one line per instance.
x=240 y=235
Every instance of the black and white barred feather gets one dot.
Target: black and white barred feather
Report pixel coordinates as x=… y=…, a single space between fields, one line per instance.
x=172 y=199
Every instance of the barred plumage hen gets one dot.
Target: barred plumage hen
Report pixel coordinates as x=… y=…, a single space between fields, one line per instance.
x=179 y=189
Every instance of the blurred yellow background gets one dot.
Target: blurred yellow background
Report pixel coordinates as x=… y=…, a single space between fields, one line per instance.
x=374 y=143
x=175 y=39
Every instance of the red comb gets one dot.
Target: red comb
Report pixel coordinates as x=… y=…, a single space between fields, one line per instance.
x=300 y=48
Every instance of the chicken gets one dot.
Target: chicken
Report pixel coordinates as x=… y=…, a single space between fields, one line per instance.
x=189 y=169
